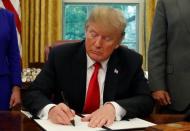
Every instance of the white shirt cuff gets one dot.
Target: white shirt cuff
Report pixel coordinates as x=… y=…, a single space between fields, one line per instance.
x=119 y=111
x=43 y=113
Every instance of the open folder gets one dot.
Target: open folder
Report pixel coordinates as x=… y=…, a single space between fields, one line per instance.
x=135 y=123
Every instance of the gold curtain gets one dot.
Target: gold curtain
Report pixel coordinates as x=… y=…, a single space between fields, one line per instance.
x=41 y=26
x=149 y=12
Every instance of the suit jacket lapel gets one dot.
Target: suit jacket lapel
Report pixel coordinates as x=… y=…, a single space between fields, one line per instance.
x=184 y=11
x=111 y=79
x=79 y=74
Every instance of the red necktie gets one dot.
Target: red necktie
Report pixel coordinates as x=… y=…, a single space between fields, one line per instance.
x=93 y=94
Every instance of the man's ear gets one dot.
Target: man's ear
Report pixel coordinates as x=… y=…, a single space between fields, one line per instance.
x=119 y=43
x=122 y=37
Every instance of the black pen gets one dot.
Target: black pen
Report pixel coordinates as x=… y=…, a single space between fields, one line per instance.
x=65 y=101
x=73 y=122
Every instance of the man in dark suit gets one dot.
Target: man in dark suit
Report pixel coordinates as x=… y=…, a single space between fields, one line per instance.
x=123 y=89
x=169 y=56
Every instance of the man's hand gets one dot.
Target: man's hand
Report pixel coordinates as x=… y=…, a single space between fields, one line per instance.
x=61 y=114
x=162 y=97
x=15 y=97
x=103 y=116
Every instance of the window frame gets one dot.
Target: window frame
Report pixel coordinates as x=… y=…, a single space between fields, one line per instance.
x=140 y=18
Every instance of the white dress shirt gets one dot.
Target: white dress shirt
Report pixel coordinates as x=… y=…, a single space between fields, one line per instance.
x=120 y=112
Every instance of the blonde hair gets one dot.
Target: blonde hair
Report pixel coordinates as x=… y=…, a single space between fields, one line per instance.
x=108 y=18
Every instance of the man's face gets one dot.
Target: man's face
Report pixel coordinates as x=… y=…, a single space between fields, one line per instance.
x=99 y=43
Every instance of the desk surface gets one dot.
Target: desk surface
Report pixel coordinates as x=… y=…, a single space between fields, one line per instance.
x=16 y=121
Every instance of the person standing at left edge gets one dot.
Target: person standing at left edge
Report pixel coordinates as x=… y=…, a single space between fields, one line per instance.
x=10 y=68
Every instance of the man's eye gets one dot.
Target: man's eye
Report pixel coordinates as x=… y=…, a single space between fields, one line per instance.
x=107 y=38
x=93 y=34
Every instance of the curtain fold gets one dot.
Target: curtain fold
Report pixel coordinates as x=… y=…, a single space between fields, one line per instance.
x=41 y=26
x=149 y=13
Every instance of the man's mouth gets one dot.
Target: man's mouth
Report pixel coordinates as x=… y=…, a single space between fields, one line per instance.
x=96 y=52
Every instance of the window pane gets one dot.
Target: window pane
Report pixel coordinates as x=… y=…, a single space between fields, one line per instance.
x=75 y=16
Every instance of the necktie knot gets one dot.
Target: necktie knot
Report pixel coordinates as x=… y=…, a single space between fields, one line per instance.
x=97 y=65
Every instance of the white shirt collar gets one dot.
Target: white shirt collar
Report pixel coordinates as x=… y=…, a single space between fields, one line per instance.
x=91 y=62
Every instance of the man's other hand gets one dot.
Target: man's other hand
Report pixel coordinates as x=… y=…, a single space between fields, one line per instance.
x=105 y=115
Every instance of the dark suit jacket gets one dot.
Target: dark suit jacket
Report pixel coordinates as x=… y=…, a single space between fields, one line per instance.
x=169 y=51
x=65 y=72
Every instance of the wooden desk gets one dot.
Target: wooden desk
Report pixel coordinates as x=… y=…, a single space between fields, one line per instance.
x=165 y=118
x=176 y=123
x=16 y=121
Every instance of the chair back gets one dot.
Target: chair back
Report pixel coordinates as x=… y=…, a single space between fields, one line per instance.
x=60 y=42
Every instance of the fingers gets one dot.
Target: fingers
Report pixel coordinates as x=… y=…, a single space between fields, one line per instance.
x=61 y=120
x=162 y=100
x=168 y=98
x=162 y=97
x=87 y=118
x=11 y=102
x=73 y=112
x=94 y=121
x=109 y=122
x=103 y=116
x=100 y=121
x=64 y=117
x=70 y=113
x=14 y=101
x=15 y=97
x=61 y=114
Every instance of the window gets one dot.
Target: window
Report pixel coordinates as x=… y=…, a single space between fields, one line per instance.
x=76 y=13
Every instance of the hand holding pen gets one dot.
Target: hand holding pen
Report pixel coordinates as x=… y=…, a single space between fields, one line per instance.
x=62 y=114
x=66 y=102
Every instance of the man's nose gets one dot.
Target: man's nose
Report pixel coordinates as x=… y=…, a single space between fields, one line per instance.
x=98 y=41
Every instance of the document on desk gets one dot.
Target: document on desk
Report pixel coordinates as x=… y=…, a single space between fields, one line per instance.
x=79 y=125
x=134 y=123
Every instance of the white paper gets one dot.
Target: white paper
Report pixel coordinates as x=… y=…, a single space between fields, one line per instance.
x=82 y=126
x=132 y=123
x=27 y=114
x=79 y=125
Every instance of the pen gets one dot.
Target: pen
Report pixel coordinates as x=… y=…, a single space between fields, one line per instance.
x=63 y=97
x=73 y=122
